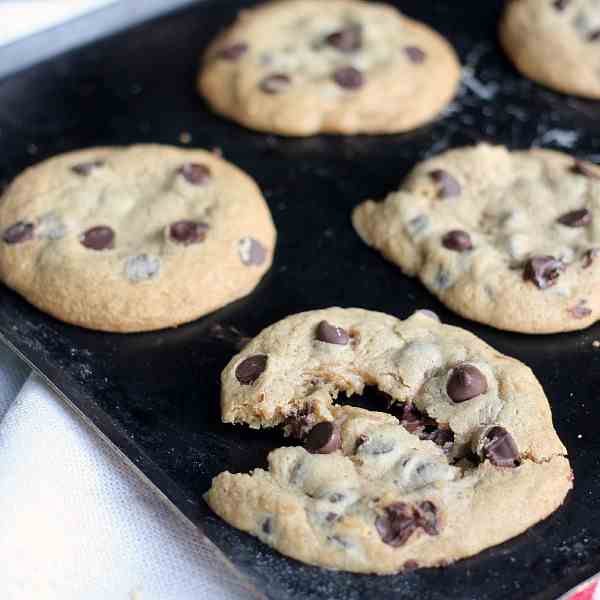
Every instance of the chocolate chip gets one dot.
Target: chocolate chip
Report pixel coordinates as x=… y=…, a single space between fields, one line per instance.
x=233 y=52
x=195 y=173
x=465 y=383
x=188 y=232
x=267 y=526
x=336 y=497
x=448 y=187
x=323 y=438
x=251 y=251
x=250 y=369
x=543 y=271
x=21 y=231
x=442 y=437
x=500 y=448
x=275 y=83
x=332 y=334
x=349 y=78
x=583 y=168
x=457 y=240
x=100 y=237
x=85 y=168
x=580 y=310
x=299 y=425
x=397 y=525
x=576 y=218
x=330 y=517
x=142 y=267
x=560 y=4
x=589 y=256
x=415 y=54
x=348 y=39
x=594 y=36
x=428 y=520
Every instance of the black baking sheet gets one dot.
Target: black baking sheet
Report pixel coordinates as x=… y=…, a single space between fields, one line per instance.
x=155 y=395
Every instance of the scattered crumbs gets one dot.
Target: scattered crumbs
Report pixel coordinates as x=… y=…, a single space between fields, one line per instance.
x=32 y=149
x=596 y=343
x=185 y=137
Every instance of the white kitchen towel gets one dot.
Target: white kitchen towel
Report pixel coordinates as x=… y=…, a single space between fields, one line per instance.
x=76 y=523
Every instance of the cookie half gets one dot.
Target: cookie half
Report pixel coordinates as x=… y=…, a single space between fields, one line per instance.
x=302 y=67
x=568 y=29
x=468 y=441
x=133 y=239
x=511 y=239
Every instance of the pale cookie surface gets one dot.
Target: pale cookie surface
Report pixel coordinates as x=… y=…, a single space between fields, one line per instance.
x=467 y=459
x=301 y=67
x=133 y=239
x=570 y=28
x=511 y=239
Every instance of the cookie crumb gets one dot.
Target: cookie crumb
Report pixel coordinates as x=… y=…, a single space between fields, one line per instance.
x=185 y=137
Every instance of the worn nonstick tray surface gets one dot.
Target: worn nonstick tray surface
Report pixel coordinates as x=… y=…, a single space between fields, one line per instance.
x=156 y=395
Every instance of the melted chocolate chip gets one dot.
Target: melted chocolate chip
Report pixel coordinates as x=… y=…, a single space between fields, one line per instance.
x=466 y=382
x=349 y=78
x=448 y=187
x=428 y=517
x=457 y=240
x=188 y=232
x=443 y=437
x=583 y=168
x=323 y=438
x=415 y=54
x=100 y=237
x=580 y=310
x=500 y=448
x=195 y=173
x=233 y=52
x=21 y=231
x=348 y=39
x=251 y=251
x=576 y=218
x=250 y=369
x=275 y=83
x=85 y=168
x=589 y=256
x=398 y=524
x=332 y=334
x=543 y=271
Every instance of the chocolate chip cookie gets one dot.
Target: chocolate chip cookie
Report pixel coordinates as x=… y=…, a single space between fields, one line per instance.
x=567 y=29
x=465 y=458
x=302 y=67
x=511 y=239
x=133 y=239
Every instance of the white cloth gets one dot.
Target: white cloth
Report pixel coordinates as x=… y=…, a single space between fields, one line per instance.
x=76 y=523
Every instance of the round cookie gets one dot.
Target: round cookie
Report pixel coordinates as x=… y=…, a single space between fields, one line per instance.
x=570 y=28
x=133 y=239
x=511 y=239
x=302 y=67
x=467 y=459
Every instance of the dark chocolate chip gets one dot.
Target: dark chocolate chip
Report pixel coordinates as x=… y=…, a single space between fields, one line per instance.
x=100 y=237
x=348 y=39
x=397 y=525
x=323 y=438
x=275 y=83
x=21 y=231
x=589 y=256
x=233 y=52
x=349 y=78
x=195 y=173
x=250 y=369
x=457 y=240
x=415 y=54
x=267 y=526
x=251 y=251
x=588 y=170
x=543 y=271
x=188 y=232
x=576 y=218
x=465 y=383
x=336 y=497
x=580 y=310
x=448 y=187
x=560 y=4
x=594 y=36
x=86 y=168
x=443 y=437
x=500 y=448
x=332 y=334
x=428 y=520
